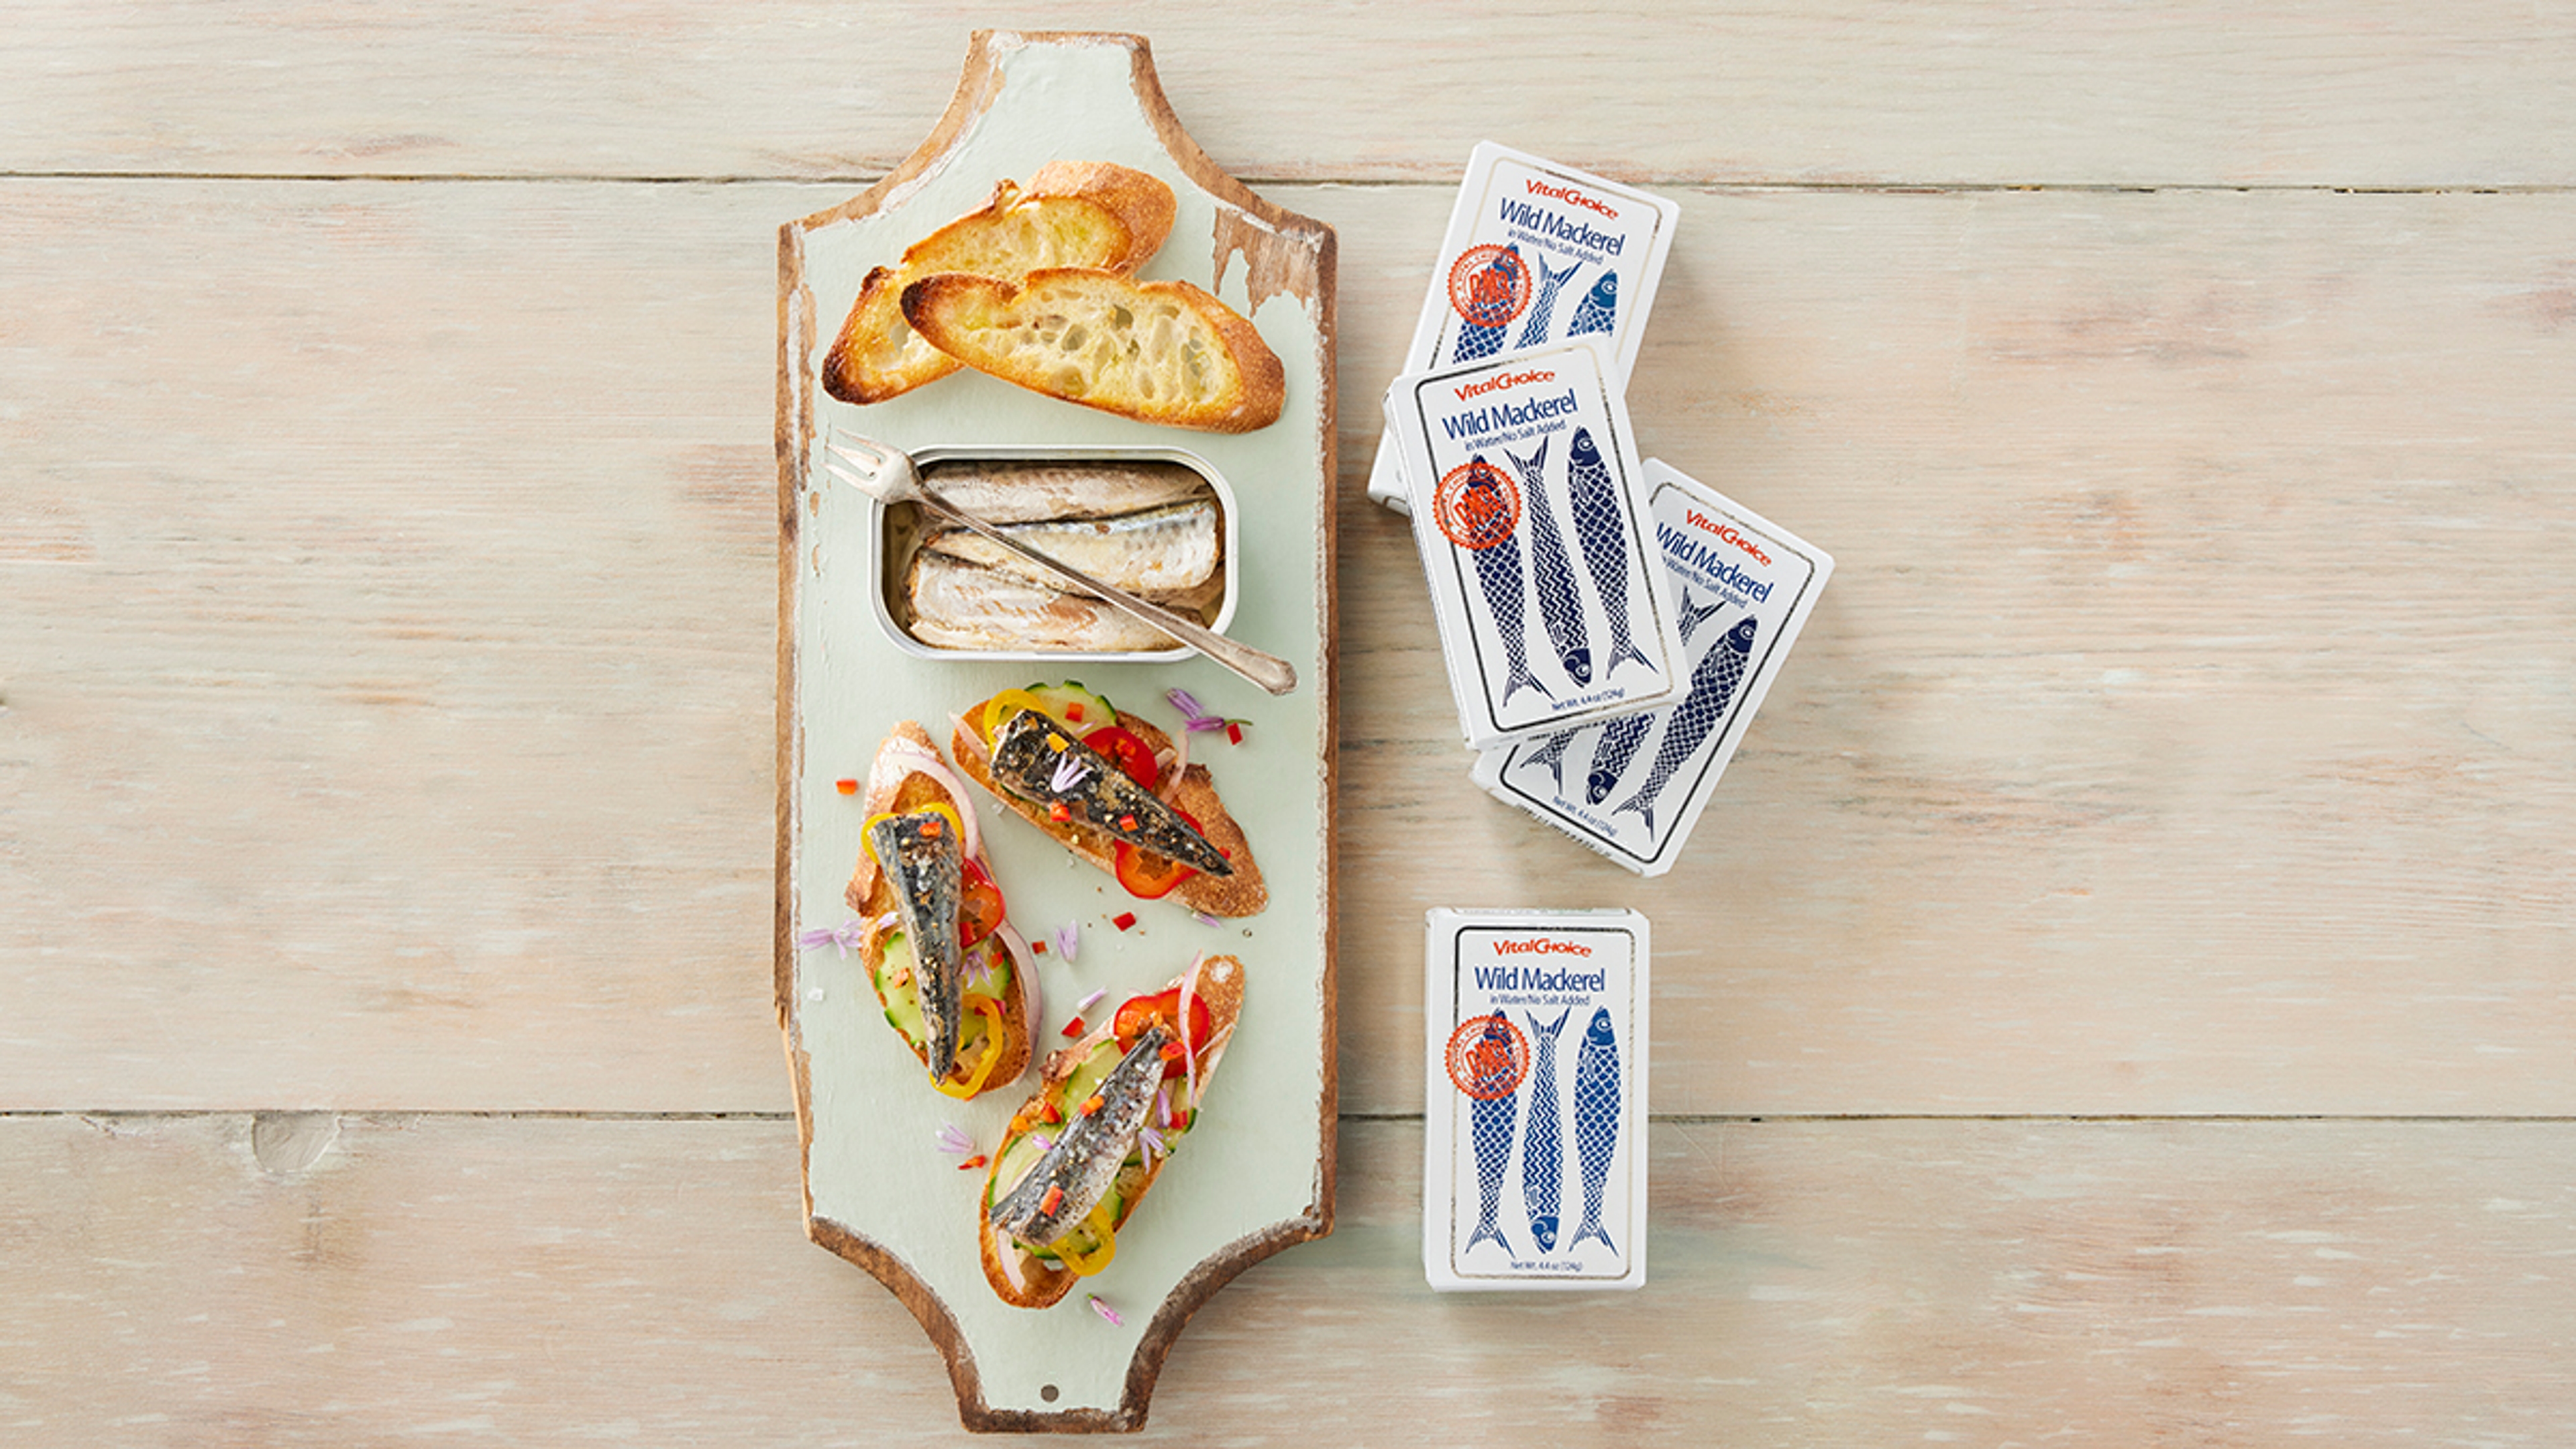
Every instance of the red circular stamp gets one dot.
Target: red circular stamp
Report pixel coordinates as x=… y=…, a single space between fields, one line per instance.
x=1488 y=1057
x=1489 y=285
x=1476 y=505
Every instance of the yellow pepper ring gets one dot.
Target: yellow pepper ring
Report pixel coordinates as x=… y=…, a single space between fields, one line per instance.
x=867 y=831
x=1086 y=1264
x=1009 y=702
x=991 y=1010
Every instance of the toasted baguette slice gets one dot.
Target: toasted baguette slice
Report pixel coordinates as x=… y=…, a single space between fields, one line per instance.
x=1243 y=893
x=1020 y=1277
x=908 y=774
x=1072 y=213
x=1159 y=352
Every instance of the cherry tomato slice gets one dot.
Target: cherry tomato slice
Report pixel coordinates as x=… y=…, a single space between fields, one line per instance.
x=979 y=906
x=1148 y=876
x=1127 y=752
x=1141 y=1011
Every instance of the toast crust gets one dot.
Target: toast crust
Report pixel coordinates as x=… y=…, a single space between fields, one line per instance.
x=1071 y=213
x=1221 y=987
x=1243 y=893
x=1158 y=352
x=872 y=895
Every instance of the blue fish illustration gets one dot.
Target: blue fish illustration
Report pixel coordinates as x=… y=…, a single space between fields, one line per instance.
x=1693 y=615
x=1534 y=328
x=1542 y=1155
x=1498 y=573
x=1490 y=1127
x=1600 y=522
x=1596 y=1120
x=1552 y=754
x=1492 y=285
x=1712 y=684
x=1619 y=741
x=1599 y=309
x=1560 y=608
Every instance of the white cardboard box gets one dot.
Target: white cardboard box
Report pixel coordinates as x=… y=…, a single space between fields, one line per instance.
x=1632 y=788
x=1529 y=512
x=1534 y=1141
x=1590 y=253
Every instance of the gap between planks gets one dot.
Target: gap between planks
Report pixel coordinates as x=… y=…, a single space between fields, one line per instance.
x=1374 y=183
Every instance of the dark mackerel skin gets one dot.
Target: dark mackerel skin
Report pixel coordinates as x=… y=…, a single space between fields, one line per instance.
x=1088 y=1152
x=1041 y=762
x=920 y=852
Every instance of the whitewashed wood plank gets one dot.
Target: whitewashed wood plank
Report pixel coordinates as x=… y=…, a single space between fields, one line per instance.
x=2368 y=93
x=2189 y=728
x=558 y=1281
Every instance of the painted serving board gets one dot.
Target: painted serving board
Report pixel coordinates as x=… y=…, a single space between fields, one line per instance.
x=1257 y=1174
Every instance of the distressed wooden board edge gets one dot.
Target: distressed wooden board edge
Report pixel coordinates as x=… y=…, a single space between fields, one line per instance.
x=1269 y=268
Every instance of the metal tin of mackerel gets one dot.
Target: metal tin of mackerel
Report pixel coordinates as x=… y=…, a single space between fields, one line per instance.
x=1632 y=788
x=1535 y=253
x=1530 y=515
x=1008 y=615
x=1534 y=1146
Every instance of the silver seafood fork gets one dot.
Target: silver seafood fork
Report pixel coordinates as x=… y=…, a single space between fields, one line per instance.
x=887 y=475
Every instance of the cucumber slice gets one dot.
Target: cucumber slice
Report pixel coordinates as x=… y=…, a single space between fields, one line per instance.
x=1068 y=700
x=902 y=997
x=895 y=988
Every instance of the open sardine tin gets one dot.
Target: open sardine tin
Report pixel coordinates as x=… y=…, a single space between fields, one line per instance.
x=1633 y=787
x=1535 y=253
x=1529 y=512
x=899 y=531
x=1534 y=1148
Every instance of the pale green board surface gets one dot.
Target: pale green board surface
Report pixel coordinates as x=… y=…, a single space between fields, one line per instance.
x=1254 y=1162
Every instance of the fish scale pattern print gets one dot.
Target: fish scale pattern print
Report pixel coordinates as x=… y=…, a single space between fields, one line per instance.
x=1490 y=1123
x=1600 y=522
x=1560 y=607
x=1498 y=575
x=1712 y=684
x=1542 y=1154
x=1596 y=1120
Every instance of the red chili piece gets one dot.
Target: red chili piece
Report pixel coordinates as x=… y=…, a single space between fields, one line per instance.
x=1073 y=1027
x=1054 y=1199
x=1234 y=732
x=1123 y=919
x=1059 y=812
x=1091 y=1104
x=971 y=1163
x=1126 y=822
x=846 y=787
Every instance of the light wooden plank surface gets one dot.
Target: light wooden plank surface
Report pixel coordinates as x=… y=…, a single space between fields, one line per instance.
x=2188 y=728
x=2369 y=93
x=563 y=1280
x=2189 y=733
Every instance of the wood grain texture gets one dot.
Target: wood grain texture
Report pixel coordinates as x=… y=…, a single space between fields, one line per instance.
x=2189 y=726
x=549 y=1280
x=2360 y=94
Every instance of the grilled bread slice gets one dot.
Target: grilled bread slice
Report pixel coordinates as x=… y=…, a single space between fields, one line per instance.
x=909 y=775
x=1072 y=213
x=1027 y=1277
x=1242 y=893
x=1159 y=352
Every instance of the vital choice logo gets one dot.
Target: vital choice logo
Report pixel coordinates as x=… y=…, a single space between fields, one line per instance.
x=1497 y=384
x=1541 y=945
x=1572 y=197
x=1707 y=525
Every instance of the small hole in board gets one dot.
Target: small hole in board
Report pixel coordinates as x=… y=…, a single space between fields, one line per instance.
x=1047 y=1392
